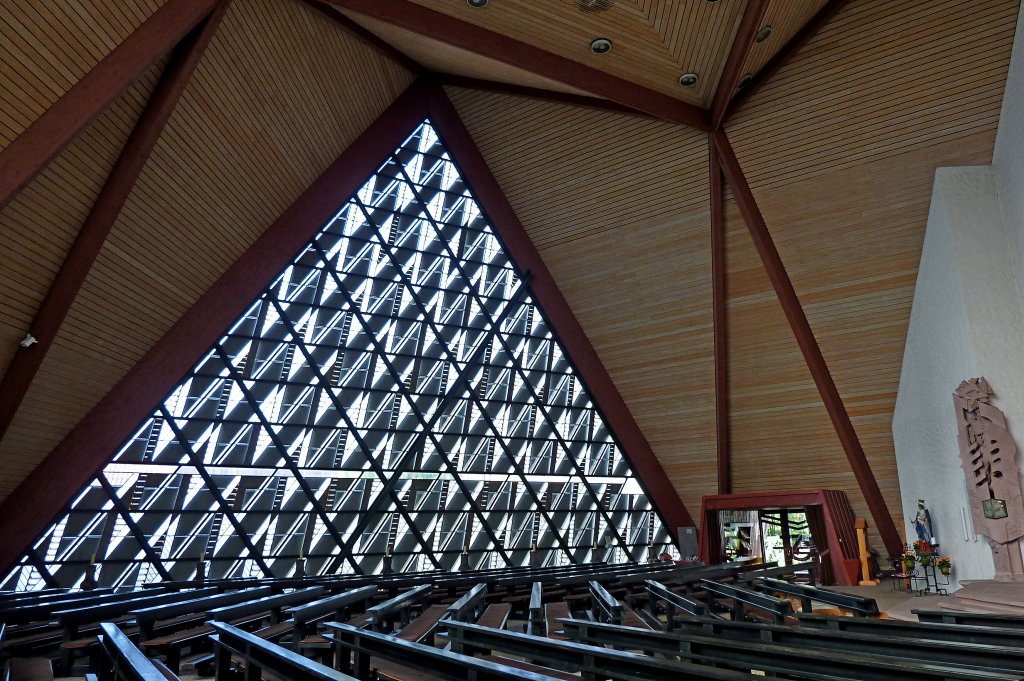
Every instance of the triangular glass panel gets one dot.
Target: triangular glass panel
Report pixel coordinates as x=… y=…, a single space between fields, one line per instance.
x=394 y=400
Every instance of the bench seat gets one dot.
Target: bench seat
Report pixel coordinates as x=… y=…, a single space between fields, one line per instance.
x=31 y=669
x=495 y=616
x=420 y=628
x=552 y=613
x=392 y=671
x=528 y=667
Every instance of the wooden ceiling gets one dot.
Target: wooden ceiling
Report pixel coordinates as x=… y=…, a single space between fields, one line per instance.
x=839 y=147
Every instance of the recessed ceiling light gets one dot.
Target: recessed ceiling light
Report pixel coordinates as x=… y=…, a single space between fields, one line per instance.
x=601 y=46
x=744 y=82
x=688 y=79
x=477 y=3
x=763 y=34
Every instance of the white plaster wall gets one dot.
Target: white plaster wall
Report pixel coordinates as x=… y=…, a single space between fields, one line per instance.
x=1008 y=158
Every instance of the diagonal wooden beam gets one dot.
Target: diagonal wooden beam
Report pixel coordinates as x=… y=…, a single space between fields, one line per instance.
x=808 y=345
x=82 y=454
x=27 y=155
x=718 y=309
x=93 y=233
x=369 y=37
x=782 y=57
x=742 y=44
x=538 y=93
x=438 y=26
x=524 y=254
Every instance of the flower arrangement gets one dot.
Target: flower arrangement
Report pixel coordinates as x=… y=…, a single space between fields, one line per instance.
x=923 y=548
x=909 y=560
x=944 y=564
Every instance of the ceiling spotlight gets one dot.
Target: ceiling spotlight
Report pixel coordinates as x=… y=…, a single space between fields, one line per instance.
x=688 y=79
x=763 y=34
x=601 y=46
x=744 y=82
x=477 y=3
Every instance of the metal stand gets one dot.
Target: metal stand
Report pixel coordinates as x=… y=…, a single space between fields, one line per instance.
x=930 y=576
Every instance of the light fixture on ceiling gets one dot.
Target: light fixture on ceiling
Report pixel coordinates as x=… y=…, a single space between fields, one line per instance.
x=688 y=79
x=477 y=3
x=601 y=46
x=744 y=82
x=594 y=5
x=763 y=34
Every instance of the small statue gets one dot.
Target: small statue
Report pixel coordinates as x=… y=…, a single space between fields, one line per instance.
x=923 y=523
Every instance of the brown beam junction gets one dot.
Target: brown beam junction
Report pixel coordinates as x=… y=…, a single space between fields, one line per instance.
x=742 y=44
x=782 y=57
x=449 y=30
x=367 y=36
x=721 y=345
x=47 y=136
x=808 y=345
x=94 y=231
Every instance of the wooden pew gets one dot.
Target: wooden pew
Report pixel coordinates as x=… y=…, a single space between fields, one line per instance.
x=591 y=661
x=774 y=659
x=900 y=629
x=147 y=618
x=673 y=602
x=335 y=607
x=259 y=656
x=777 y=608
x=605 y=607
x=858 y=605
x=495 y=616
x=987 y=656
x=21 y=614
x=383 y=615
x=122 y=661
x=468 y=608
x=359 y=650
x=974 y=619
x=72 y=621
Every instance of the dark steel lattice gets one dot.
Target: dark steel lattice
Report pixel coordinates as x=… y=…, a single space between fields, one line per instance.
x=395 y=391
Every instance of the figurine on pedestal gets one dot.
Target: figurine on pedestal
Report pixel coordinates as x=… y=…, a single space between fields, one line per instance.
x=923 y=523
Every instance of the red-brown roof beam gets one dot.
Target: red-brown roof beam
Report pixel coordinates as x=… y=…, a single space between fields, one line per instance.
x=47 y=136
x=93 y=233
x=742 y=44
x=466 y=36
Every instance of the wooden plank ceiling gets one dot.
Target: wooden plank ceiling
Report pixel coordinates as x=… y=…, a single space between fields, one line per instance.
x=839 y=147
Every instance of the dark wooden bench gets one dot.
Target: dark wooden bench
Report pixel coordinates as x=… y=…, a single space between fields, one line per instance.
x=777 y=609
x=468 y=607
x=673 y=603
x=422 y=626
x=334 y=607
x=260 y=657
x=552 y=613
x=383 y=616
x=773 y=658
x=591 y=661
x=360 y=650
x=147 y=618
x=269 y=607
x=122 y=661
x=974 y=619
x=495 y=615
x=22 y=614
x=988 y=656
x=858 y=605
x=927 y=630
x=605 y=607
x=536 y=622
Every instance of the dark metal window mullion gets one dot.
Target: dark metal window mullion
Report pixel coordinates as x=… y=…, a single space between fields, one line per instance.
x=483 y=309
x=214 y=490
x=140 y=537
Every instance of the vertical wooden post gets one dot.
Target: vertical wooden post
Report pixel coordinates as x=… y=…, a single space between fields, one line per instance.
x=718 y=307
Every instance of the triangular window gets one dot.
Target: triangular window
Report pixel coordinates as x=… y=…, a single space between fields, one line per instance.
x=394 y=399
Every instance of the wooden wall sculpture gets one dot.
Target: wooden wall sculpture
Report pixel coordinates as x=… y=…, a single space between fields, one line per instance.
x=988 y=456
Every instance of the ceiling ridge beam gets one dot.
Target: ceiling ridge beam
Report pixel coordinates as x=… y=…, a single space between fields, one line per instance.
x=80 y=456
x=484 y=85
x=742 y=44
x=787 y=52
x=435 y=25
x=591 y=370
x=368 y=37
x=805 y=339
x=719 y=317
x=37 y=145
x=104 y=213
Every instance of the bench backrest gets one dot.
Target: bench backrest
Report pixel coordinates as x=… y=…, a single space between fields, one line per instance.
x=278 y=661
x=860 y=605
x=198 y=605
x=609 y=607
x=658 y=591
x=126 y=661
x=778 y=607
x=95 y=613
x=264 y=604
x=976 y=619
x=903 y=629
x=382 y=611
x=470 y=602
x=29 y=613
x=332 y=604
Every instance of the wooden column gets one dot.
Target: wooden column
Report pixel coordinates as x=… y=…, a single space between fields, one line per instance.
x=93 y=233
x=805 y=339
x=721 y=345
x=27 y=155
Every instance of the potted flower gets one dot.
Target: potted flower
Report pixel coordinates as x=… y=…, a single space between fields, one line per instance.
x=909 y=560
x=944 y=564
x=923 y=548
